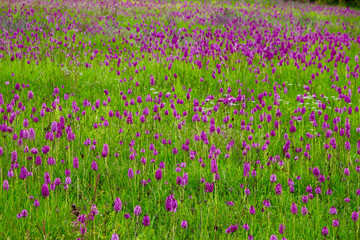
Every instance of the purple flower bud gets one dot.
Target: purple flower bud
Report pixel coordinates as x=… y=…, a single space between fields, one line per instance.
x=105 y=151
x=209 y=187
x=325 y=231
x=67 y=180
x=24 y=213
x=23 y=173
x=281 y=228
x=266 y=203
x=94 y=166
x=355 y=216
x=67 y=172
x=333 y=210
x=45 y=149
x=57 y=181
x=117 y=205
x=294 y=209
x=45 y=190
x=137 y=210
x=278 y=189
x=304 y=211
x=214 y=167
x=6 y=185
x=130 y=173
x=36 y=203
x=246 y=226
x=171 y=203
x=14 y=156
x=273 y=178
x=47 y=178
x=115 y=237
x=76 y=163
x=146 y=221
x=335 y=223
x=252 y=210
x=158 y=174
x=184 y=224
x=26 y=123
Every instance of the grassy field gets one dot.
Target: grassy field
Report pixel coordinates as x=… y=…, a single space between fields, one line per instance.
x=179 y=120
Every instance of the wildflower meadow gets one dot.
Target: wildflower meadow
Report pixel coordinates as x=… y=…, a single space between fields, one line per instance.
x=160 y=119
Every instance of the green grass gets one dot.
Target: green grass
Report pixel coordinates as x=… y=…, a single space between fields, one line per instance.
x=207 y=214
